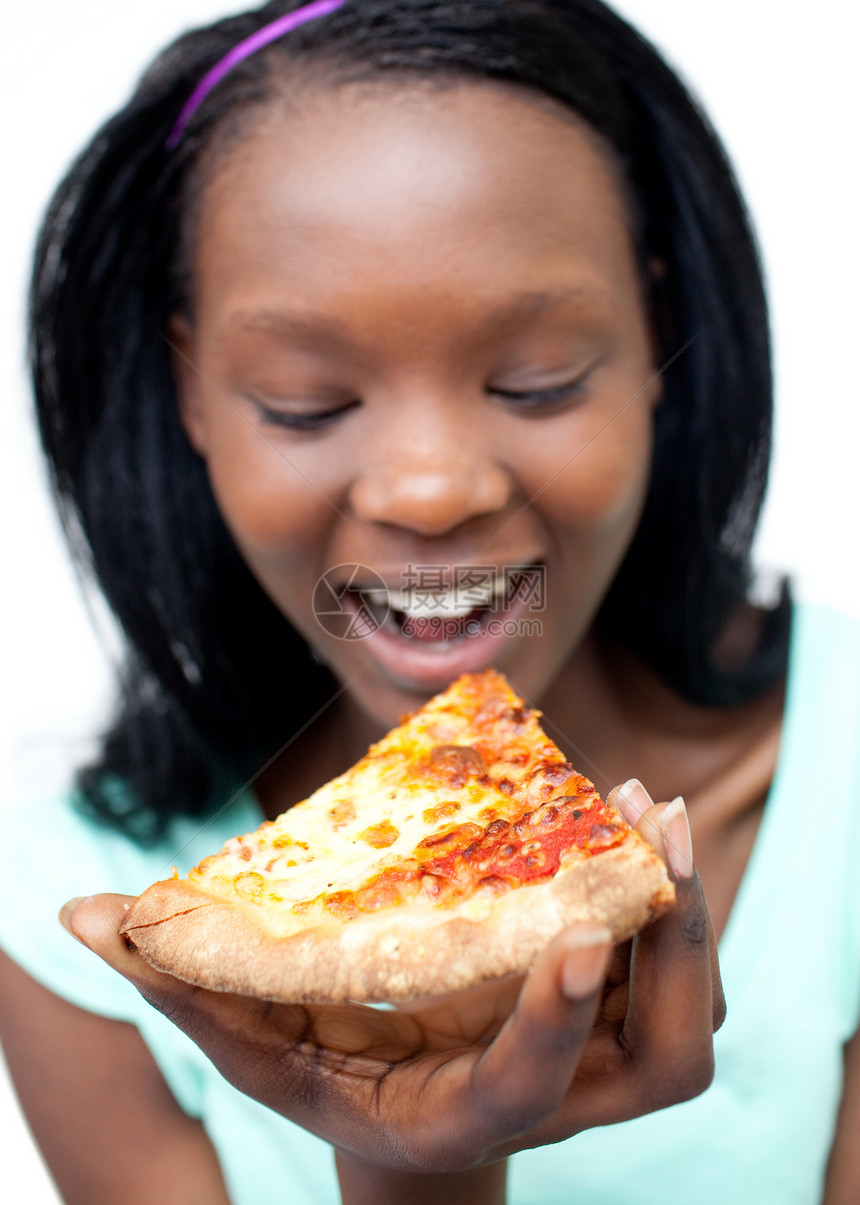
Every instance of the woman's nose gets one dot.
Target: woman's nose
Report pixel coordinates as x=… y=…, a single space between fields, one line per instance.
x=430 y=479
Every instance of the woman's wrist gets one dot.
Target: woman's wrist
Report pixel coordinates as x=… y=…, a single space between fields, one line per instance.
x=365 y=1183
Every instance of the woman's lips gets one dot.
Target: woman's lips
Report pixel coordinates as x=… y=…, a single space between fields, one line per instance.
x=415 y=656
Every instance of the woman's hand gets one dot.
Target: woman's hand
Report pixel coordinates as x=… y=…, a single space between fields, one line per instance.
x=591 y=1036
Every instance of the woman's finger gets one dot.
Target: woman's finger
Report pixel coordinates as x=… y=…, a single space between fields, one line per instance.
x=216 y=1021
x=667 y=827
x=524 y=1075
x=273 y=1052
x=663 y=825
x=631 y=799
x=95 y=920
x=676 y=998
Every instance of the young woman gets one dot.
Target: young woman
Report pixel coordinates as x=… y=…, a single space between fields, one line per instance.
x=433 y=285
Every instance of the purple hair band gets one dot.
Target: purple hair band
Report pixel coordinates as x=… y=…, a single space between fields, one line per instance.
x=269 y=33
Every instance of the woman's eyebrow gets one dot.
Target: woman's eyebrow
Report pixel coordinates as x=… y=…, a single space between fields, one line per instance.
x=531 y=304
x=322 y=327
x=330 y=329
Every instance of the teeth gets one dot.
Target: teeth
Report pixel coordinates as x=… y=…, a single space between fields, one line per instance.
x=420 y=603
x=453 y=608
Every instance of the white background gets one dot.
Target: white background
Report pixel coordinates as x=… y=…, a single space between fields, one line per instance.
x=775 y=76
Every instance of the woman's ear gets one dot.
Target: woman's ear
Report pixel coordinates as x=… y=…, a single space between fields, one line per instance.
x=189 y=383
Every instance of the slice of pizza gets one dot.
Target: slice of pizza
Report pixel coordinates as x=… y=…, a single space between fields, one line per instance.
x=450 y=854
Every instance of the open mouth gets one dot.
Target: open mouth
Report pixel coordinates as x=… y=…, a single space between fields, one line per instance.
x=436 y=614
x=421 y=633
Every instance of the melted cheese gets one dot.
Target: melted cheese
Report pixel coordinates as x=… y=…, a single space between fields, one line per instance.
x=471 y=756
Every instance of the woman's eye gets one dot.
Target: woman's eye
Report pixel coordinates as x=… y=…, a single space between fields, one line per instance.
x=538 y=399
x=300 y=420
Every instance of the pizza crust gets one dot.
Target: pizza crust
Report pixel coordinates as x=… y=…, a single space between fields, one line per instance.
x=398 y=953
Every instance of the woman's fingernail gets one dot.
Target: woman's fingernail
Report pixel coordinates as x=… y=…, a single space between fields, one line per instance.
x=633 y=800
x=67 y=911
x=675 y=828
x=585 y=962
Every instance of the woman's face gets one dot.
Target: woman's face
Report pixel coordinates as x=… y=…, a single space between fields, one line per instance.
x=418 y=347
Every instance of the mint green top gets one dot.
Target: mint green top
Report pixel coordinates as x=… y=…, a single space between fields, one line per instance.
x=790 y=960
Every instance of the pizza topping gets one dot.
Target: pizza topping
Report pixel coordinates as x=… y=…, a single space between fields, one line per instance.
x=558 y=772
x=381 y=835
x=440 y=829
x=431 y=885
x=545 y=781
x=468 y=797
x=471 y=860
x=494 y=884
x=602 y=836
x=342 y=812
x=456 y=764
x=455 y=864
x=533 y=846
x=548 y=817
x=442 y=811
x=460 y=836
x=285 y=840
x=385 y=890
x=251 y=883
x=339 y=903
